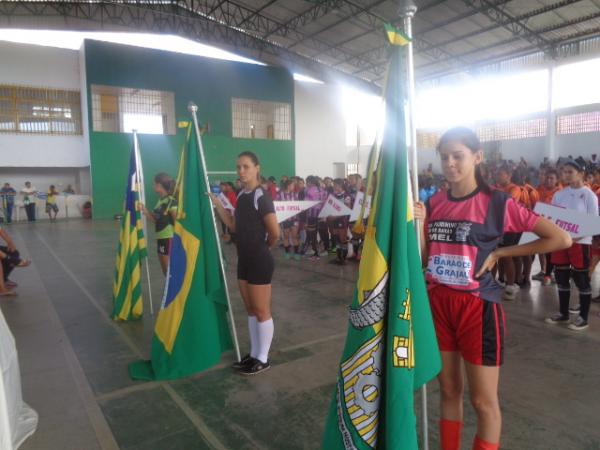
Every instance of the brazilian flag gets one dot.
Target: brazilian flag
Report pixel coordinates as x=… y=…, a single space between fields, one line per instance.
x=127 y=285
x=391 y=348
x=191 y=330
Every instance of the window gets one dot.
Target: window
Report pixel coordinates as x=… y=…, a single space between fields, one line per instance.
x=587 y=122
x=427 y=139
x=256 y=119
x=122 y=110
x=39 y=110
x=513 y=129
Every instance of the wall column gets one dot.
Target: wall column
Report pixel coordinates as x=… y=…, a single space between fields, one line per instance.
x=551 y=118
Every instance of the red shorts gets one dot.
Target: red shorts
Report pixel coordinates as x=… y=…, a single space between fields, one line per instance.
x=469 y=325
x=577 y=256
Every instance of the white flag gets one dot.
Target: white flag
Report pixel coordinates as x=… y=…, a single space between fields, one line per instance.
x=358 y=204
x=286 y=209
x=225 y=202
x=578 y=224
x=334 y=207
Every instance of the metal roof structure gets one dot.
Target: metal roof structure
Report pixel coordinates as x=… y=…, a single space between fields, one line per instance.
x=344 y=38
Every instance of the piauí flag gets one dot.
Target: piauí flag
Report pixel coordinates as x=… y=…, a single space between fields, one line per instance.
x=391 y=348
x=191 y=330
x=127 y=286
x=395 y=36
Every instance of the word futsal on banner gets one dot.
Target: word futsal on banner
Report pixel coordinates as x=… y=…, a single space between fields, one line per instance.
x=286 y=209
x=334 y=207
x=577 y=224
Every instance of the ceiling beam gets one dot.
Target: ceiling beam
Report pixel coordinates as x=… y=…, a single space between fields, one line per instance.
x=516 y=26
x=434 y=50
x=162 y=18
x=541 y=31
x=570 y=46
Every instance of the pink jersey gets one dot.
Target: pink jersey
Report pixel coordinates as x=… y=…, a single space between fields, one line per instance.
x=461 y=233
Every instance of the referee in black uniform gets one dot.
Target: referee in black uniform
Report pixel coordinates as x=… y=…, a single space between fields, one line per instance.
x=257 y=230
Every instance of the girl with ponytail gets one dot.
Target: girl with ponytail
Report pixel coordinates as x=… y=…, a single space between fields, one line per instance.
x=257 y=231
x=163 y=215
x=462 y=228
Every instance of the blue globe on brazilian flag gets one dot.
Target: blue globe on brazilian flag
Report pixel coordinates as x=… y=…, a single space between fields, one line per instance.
x=191 y=330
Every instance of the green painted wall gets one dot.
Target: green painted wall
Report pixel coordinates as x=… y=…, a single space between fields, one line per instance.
x=210 y=84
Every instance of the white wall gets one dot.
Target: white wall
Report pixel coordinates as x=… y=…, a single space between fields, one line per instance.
x=34 y=65
x=42 y=178
x=21 y=150
x=535 y=149
x=320 y=129
x=37 y=66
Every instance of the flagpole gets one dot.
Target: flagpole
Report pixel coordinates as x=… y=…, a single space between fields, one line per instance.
x=140 y=179
x=408 y=11
x=193 y=108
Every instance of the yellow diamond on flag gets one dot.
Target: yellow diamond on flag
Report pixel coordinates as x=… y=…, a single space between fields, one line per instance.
x=395 y=36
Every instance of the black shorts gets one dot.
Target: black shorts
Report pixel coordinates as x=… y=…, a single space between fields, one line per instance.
x=510 y=239
x=255 y=267
x=163 y=246
x=311 y=223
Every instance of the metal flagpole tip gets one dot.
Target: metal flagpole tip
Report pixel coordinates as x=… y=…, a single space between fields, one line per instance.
x=408 y=8
x=192 y=107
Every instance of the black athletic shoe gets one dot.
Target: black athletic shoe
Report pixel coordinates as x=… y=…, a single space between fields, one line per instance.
x=238 y=365
x=255 y=367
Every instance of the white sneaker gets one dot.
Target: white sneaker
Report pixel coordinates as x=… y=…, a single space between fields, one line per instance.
x=511 y=291
x=557 y=318
x=578 y=324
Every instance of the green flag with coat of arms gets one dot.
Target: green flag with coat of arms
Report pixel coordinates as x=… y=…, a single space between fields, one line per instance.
x=391 y=348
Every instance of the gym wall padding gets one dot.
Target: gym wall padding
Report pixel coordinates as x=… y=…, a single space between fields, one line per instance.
x=211 y=84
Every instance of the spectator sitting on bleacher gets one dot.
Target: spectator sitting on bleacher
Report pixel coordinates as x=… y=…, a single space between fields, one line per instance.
x=10 y=259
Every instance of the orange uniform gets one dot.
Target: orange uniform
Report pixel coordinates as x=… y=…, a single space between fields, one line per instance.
x=534 y=195
x=517 y=193
x=547 y=194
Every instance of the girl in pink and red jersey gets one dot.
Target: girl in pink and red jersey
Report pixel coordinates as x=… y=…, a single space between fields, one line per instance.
x=462 y=229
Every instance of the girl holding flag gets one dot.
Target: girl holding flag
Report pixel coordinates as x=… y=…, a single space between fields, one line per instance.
x=257 y=231
x=163 y=215
x=462 y=229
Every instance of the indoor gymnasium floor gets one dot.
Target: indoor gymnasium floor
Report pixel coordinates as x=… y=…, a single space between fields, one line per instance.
x=74 y=360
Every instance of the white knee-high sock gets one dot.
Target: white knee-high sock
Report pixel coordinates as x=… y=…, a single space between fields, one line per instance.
x=253 y=330
x=265 y=337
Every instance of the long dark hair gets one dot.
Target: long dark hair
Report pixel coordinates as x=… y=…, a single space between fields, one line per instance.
x=165 y=181
x=469 y=139
x=254 y=160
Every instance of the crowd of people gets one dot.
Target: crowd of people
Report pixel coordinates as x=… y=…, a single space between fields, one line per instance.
x=307 y=235
x=29 y=196
x=9 y=254
x=551 y=183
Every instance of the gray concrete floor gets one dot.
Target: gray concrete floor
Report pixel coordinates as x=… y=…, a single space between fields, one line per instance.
x=74 y=360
